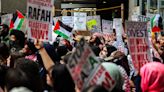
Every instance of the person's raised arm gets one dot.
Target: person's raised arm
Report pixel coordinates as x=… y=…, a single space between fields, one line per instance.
x=47 y=61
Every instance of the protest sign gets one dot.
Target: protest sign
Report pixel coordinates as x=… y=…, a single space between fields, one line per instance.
x=68 y=20
x=119 y=32
x=104 y=75
x=140 y=18
x=143 y=18
x=80 y=21
x=39 y=14
x=96 y=28
x=81 y=63
x=107 y=26
x=138 y=43
x=5 y=19
x=91 y=24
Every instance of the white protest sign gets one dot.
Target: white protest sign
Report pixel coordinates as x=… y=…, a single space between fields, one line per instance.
x=81 y=63
x=96 y=28
x=68 y=20
x=138 y=43
x=80 y=21
x=119 y=33
x=107 y=26
x=6 y=19
x=39 y=14
x=105 y=75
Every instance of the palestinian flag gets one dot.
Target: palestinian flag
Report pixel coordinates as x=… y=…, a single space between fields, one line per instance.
x=17 y=20
x=154 y=23
x=62 y=30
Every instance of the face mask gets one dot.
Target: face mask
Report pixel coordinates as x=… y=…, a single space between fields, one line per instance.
x=13 y=43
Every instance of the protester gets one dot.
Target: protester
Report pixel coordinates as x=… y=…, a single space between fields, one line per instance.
x=3 y=71
x=103 y=64
x=161 y=47
x=16 y=78
x=111 y=77
x=106 y=51
x=4 y=53
x=29 y=51
x=152 y=77
x=61 y=80
x=17 y=40
x=4 y=33
x=31 y=69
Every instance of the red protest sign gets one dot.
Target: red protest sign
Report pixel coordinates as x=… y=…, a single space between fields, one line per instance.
x=81 y=63
x=39 y=14
x=138 y=43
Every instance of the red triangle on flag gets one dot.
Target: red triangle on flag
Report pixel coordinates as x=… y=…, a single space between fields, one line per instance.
x=20 y=15
x=57 y=26
x=11 y=24
x=156 y=29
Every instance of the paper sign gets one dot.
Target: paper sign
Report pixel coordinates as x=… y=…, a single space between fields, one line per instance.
x=91 y=24
x=80 y=21
x=105 y=75
x=96 y=28
x=138 y=43
x=39 y=14
x=68 y=20
x=81 y=63
x=119 y=33
x=107 y=26
x=6 y=19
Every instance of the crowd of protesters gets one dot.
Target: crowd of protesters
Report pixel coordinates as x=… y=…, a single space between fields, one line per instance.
x=28 y=65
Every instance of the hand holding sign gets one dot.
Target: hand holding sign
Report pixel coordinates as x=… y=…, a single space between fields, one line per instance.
x=38 y=44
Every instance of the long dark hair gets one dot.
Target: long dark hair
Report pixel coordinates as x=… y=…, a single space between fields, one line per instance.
x=62 y=80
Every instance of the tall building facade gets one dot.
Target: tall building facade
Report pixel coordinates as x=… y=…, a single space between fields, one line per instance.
x=9 y=6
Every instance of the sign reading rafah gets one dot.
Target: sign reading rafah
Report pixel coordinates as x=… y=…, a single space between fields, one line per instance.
x=138 y=43
x=81 y=63
x=39 y=14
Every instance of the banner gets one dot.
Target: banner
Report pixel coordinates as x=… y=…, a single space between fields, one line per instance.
x=107 y=26
x=68 y=20
x=6 y=19
x=80 y=21
x=39 y=14
x=97 y=27
x=81 y=63
x=138 y=43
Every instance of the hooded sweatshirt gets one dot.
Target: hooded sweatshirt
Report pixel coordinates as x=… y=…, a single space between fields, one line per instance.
x=152 y=77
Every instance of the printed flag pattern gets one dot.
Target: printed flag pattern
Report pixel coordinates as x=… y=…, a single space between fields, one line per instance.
x=17 y=20
x=62 y=30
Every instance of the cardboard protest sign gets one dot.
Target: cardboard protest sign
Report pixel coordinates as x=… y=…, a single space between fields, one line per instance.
x=91 y=24
x=81 y=63
x=5 y=19
x=80 y=21
x=107 y=26
x=107 y=74
x=138 y=43
x=39 y=14
x=97 y=27
x=68 y=20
